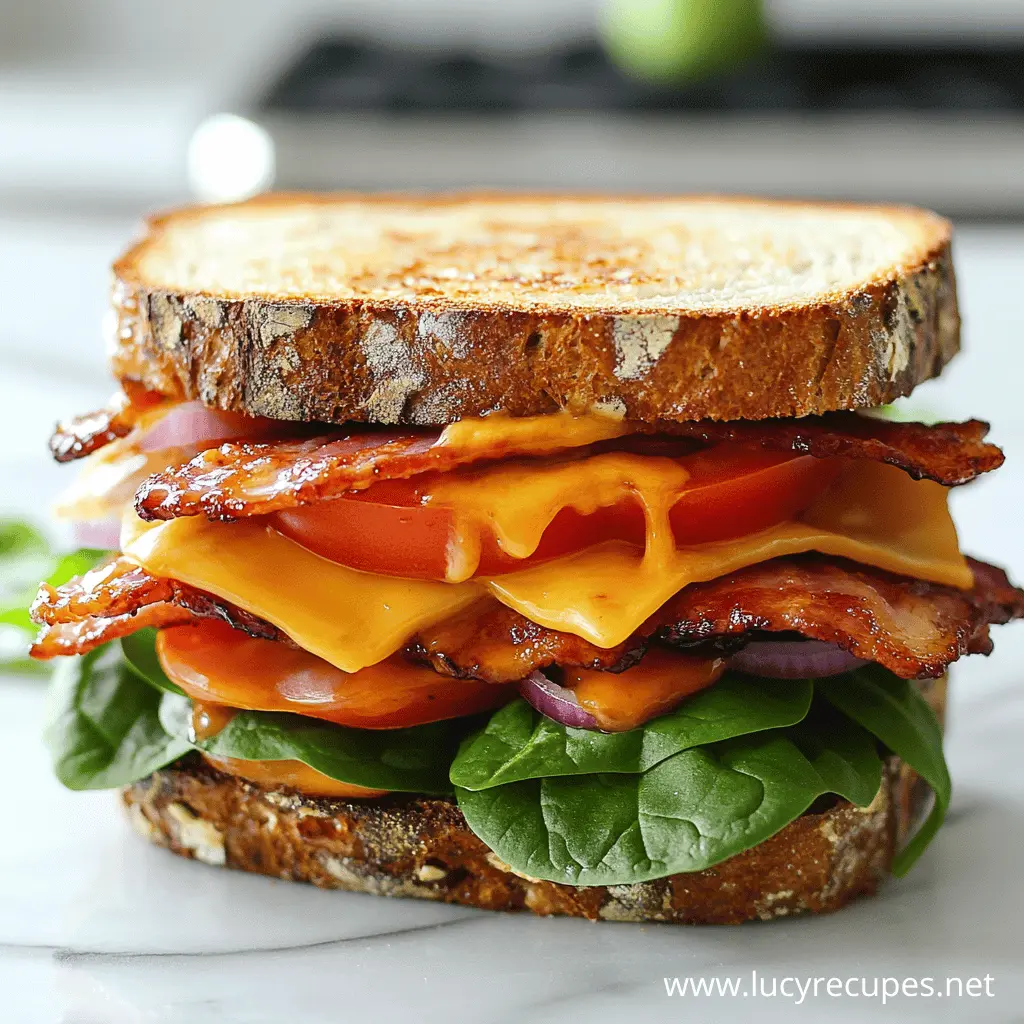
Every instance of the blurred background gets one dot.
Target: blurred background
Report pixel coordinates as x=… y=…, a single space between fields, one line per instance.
x=111 y=108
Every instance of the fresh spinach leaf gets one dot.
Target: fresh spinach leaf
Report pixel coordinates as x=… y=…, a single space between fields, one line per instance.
x=687 y=813
x=520 y=743
x=893 y=711
x=103 y=727
x=25 y=559
x=139 y=650
x=412 y=760
x=21 y=573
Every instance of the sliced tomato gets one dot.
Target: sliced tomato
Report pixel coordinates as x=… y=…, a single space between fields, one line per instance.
x=216 y=664
x=386 y=529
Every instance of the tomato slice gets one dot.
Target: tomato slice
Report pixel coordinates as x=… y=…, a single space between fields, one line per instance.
x=387 y=528
x=216 y=664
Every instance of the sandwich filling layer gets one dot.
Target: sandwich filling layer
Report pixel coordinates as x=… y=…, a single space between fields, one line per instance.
x=351 y=614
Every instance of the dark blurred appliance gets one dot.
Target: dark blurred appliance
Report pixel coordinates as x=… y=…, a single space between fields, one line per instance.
x=938 y=125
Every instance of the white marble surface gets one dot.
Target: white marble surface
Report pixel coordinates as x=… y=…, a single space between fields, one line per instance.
x=96 y=926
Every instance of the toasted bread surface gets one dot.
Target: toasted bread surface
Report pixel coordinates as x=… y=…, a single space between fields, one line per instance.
x=421 y=847
x=423 y=310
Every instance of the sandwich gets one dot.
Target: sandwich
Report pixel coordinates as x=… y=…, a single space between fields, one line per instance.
x=525 y=552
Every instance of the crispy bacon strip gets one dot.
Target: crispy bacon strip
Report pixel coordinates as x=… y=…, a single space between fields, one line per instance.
x=247 y=479
x=949 y=453
x=119 y=598
x=915 y=629
x=82 y=635
x=82 y=435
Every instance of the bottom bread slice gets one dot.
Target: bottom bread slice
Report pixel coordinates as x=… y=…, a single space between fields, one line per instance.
x=421 y=847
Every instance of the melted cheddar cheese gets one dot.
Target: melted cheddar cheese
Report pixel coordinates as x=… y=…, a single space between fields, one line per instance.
x=492 y=436
x=351 y=619
x=872 y=513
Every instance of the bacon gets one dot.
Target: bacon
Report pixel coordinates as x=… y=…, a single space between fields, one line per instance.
x=247 y=479
x=82 y=635
x=949 y=453
x=489 y=641
x=913 y=628
x=117 y=599
x=82 y=435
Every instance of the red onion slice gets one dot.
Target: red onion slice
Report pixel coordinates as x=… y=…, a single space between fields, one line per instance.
x=794 y=659
x=190 y=423
x=98 y=533
x=556 y=702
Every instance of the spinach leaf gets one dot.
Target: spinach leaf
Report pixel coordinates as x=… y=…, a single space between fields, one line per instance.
x=892 y=710
x=25 y=559
x=687 y=813
x=412 y=760
x=519 y=743
x=23 y=563
x=139 y=650
x=103 y=730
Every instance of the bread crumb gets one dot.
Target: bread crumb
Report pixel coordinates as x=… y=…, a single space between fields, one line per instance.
x=165 y=320
x=143 y=825
x=640 y=342
x=499 y=865
x=209 y=312
x=430 y=873
x=389 y=360
x=448 y=330
x=203 y=839
x=275 y=321
x=614 y=408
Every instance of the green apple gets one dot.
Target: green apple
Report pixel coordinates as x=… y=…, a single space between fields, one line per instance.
x=666 y=40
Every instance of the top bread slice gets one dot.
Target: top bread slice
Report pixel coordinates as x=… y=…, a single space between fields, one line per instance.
x=427 y=309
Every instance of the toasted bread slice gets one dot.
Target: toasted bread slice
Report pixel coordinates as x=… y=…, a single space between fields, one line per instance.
x=422 y=847
x=423 y=310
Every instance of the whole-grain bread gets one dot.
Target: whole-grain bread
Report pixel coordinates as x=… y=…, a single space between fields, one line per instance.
x=423 y=310
x=421 y=846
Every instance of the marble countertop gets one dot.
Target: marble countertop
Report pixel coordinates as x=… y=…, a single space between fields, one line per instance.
x=97 y=926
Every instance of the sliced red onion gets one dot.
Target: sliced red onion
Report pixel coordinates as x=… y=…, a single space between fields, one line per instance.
x=556 y=702
x=189 y=423
x=794 y=659
x=98 y=533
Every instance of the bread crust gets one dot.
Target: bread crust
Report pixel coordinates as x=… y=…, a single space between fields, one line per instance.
x=431 y=360
x=421 y=847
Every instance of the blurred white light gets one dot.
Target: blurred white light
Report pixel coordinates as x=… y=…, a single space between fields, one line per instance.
x=229 y=157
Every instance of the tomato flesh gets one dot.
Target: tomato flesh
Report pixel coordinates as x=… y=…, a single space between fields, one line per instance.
x=217 y=664
x=385 y=529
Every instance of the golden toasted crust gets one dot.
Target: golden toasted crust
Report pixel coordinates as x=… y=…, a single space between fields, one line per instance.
x=399 y=310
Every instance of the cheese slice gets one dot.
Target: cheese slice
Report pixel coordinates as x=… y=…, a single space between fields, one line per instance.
x=872 y=513
x=494 y=435
x=351 y=619
x=516 y=502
